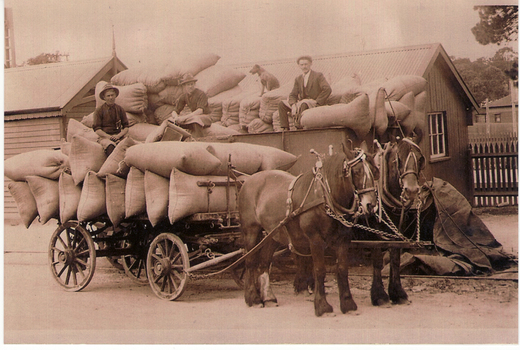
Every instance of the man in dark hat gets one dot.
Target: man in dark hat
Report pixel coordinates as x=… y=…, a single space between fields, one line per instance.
x=110 y=121
x=197 y=102
x=310 y=90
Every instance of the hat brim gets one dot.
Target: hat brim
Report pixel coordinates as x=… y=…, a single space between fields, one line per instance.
x=102 y=93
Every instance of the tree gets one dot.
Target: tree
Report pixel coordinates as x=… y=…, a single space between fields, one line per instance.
x=506 y=60
x=483 y=78
x=497 y=24
x=44 y=58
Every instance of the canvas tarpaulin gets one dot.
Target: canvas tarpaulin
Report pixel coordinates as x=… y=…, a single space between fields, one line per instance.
x=465 y=244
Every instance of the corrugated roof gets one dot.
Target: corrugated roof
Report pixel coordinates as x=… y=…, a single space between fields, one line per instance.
x=503 y=102
x=47 y=86
x=368 y=65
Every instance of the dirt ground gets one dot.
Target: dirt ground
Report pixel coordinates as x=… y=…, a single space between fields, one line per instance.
x=114 y=310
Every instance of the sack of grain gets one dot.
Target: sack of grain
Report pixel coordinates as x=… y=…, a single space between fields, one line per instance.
x=215 y=102
x=216 y=79
x=396 y=110
x=135 y=200
x=45 y=163
x=344 y=88
x=193 y=64
x=76 y=128
x=46 y=195
x=134 y=118
x=65 y=149
x=69 y=194
x=24 y=200
x=249 y=109
x=258 y=126
x=115 y=164
x=140 y=132
x=164 y=112
x=248 y=158
x=88 y=120
x=236 y=128
x=156 y=189
x=408 y=122
x=231 y=109
x=85 y=156
x=115 y=197
x=171 y=94
x=133 y=98
x=186 y=197
x=420 y=108
x=92 y=202
x=377 y=110
x=354 y=115
x=271 y=99
x=162 y=157
x=398 y=86
x=147 y=74
x=218 y=131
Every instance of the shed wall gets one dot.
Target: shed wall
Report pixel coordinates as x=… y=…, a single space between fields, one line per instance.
x=27 y=135
x=443 y=96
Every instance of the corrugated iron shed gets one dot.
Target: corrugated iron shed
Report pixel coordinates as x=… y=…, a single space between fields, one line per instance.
x=48 y=87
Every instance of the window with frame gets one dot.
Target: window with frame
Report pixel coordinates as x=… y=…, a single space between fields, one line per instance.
x=438 y=137
x=498 y=118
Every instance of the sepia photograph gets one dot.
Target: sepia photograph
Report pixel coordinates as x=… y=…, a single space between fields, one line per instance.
x=260 y=173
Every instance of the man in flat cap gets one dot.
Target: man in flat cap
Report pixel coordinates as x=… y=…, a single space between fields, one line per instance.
x=311 y=89
x=110 y=121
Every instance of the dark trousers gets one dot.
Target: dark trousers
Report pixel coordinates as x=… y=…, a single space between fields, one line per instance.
x=284 y=111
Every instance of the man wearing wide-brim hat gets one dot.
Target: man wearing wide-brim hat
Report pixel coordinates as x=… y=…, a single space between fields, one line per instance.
x=197 y=102
x=110 y=121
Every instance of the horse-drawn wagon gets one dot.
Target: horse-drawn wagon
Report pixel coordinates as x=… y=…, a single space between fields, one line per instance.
x=167 y=254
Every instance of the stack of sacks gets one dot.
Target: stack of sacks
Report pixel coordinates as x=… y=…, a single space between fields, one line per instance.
x=156 y=74
x=231 y=110
x=35 y=187
x=215 y=102
x=271 y=99
x=406 y=101
x=371 y=105
x=249 y=109
x=216 y=79
x=173 y=167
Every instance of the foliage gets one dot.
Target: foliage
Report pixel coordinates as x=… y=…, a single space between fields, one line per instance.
x=483 y=78
x=44 y=58
x=497 y=24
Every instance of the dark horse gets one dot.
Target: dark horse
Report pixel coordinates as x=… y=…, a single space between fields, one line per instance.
x=400 y=164
x=298 y=212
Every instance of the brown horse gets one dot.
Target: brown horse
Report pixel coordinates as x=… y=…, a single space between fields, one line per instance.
x=399 y=188
x=298 y=211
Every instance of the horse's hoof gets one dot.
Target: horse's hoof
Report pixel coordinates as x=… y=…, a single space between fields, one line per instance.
x=382 y=303
x=257 y=306
x=402 y=301
x=270 y=303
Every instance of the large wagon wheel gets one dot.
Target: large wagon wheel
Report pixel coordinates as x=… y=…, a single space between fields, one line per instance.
x=72 y=256
x=166 y=265
x=134 y=265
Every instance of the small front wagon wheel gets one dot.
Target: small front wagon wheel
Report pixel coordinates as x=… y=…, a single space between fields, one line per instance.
x=166 y=264
x=72 y=256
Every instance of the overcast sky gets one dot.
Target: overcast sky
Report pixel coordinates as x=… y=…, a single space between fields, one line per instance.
x=241 y=31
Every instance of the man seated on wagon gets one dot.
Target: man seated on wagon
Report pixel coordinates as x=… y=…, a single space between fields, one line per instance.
x=197 y=102
x=110 y=121
x=310 y=90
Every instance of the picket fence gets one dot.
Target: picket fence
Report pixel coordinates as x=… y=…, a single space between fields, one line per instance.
x=495 y=170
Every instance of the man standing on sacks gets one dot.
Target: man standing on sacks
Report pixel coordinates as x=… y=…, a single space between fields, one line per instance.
x=110 y=121
x=310 y=90
x=197 y=102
